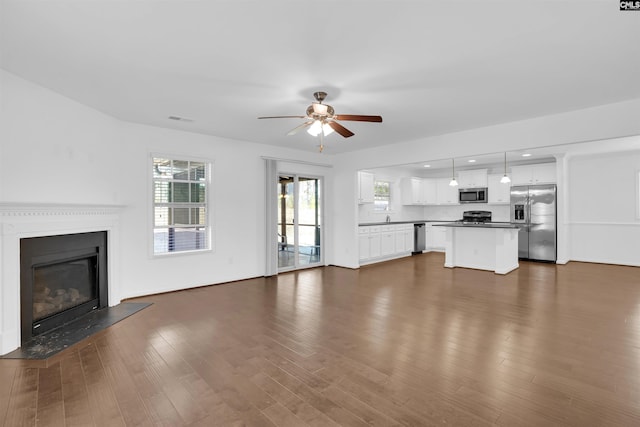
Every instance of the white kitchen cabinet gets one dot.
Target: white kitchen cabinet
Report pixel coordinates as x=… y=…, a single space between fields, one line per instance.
x=412 y=190
x=387 y=240
x=430 y=189
x=428 y=236
x=364 y=244
x=381 y=242
x=374 y=245
x=435 y=237
x=446 y=194
x=544 y=173
x=369 y=242
x=365 y=187
x=404 y=238
x=439 y=238
x=499 y=193
x=472 y=179
x=399 y=241
x=409 y=238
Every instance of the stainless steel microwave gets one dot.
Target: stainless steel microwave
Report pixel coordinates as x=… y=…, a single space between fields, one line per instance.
x=473 y=195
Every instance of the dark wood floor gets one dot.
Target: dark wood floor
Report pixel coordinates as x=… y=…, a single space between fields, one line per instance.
x=405 y=342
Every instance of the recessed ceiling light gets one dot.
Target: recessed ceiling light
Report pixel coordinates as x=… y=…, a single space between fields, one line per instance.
x=526 y=155
x=427 y=166
x=471 y=161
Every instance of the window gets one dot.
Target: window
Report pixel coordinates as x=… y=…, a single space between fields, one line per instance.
x=180 y=212
x=381 y=196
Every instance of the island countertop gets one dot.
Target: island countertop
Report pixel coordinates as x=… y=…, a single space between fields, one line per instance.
x=478 y=225
x=417 y=221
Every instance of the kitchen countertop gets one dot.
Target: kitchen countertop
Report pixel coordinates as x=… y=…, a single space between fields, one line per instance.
x=479 y=225
x=418 y=221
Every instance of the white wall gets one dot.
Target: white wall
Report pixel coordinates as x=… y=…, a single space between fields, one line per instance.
x=604 y=207
x=56 y=150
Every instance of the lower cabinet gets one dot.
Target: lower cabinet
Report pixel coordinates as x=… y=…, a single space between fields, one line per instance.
x=436 y=237
x=369 y=242
x=387 y=241
x=380 y=242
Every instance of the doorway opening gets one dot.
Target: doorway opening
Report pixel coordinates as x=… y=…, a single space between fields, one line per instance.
x=299 y=222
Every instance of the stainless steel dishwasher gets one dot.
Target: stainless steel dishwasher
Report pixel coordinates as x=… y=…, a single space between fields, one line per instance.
x=419 y=238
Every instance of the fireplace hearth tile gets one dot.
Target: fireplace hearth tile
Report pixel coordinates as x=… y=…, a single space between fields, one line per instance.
x=50 y=343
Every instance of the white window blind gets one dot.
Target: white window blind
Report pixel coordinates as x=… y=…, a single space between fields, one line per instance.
x=180 y=205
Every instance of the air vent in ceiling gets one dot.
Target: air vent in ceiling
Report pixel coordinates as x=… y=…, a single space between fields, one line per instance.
x=180 y=119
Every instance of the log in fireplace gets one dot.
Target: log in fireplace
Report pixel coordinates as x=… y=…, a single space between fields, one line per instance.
x=62 y=278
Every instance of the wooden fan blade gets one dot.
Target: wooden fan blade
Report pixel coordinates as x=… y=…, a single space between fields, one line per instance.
x=358 y=118
x=284 y=117
x=341 y=129
x=299 y=128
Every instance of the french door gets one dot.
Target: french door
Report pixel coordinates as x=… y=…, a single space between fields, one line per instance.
x=299 y=221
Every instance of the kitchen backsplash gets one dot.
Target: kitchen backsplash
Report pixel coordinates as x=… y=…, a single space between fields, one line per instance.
x=500 y=213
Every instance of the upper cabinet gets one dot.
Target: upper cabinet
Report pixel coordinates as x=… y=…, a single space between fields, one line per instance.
x=544 y=173
x=365 y=187
x=412 y=190
x=430 y=187
x=499 y=193
x=418 y=191
x=428 y=191
x=447 y=195
x=473 y=178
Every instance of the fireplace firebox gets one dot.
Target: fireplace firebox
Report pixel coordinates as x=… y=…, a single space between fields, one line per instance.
x=62 y=278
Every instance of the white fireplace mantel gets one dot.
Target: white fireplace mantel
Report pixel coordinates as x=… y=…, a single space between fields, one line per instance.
x=24 y=220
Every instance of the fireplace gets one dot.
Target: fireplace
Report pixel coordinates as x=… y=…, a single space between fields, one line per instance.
x=20 y=221
x=62 y=278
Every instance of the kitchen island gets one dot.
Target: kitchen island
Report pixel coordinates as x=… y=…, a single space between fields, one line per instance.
x=487 y=246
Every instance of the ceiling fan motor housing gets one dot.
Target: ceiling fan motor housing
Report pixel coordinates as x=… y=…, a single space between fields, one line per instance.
x=318 y=111
x=320 y=96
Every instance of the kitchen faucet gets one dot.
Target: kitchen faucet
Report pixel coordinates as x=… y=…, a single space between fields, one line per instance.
x=388 y=218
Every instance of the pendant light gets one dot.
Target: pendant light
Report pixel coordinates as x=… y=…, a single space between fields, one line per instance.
x=453 y=181
x=505 y=179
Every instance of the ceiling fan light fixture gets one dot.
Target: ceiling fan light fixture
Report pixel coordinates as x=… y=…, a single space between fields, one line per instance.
x=315 y=128
x=322 y=120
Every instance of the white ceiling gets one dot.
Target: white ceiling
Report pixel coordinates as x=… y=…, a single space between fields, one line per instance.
x=428 y=67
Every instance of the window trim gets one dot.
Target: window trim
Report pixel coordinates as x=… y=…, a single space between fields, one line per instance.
x=209 y=227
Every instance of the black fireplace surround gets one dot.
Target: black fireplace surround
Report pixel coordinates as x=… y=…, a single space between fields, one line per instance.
x=61 y=279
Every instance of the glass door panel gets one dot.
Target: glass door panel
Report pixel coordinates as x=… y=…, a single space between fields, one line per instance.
x=286 y=238
x=309 y=221
x=299 y=222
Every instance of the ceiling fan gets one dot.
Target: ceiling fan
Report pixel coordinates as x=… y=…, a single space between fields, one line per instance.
x=322 y=120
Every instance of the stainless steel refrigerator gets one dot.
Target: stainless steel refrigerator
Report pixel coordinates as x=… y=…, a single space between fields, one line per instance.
x=533 y=209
